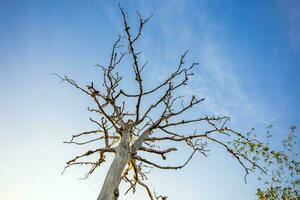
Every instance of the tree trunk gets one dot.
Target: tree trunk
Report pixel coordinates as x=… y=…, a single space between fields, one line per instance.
x=110 y=188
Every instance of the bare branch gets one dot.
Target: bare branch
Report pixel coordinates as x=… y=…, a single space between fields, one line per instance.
x=165 y=167
x=160 y=152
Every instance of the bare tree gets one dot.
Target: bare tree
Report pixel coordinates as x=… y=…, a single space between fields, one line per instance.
x=130 y=134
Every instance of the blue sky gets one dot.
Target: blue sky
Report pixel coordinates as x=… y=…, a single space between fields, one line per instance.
x=249 y=55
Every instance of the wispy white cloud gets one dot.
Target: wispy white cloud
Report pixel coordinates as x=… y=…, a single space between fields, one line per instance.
x=216 y=78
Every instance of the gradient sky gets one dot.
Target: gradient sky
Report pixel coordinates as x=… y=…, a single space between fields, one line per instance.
x=249 y=55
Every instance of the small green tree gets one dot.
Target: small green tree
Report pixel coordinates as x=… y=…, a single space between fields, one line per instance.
x=283 y=182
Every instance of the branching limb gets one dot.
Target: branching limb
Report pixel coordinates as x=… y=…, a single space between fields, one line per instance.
x=93 y=140
x=165 y=167
x=160 y=152
x=90 y=152
x=82 y=134
x=136 y=66
x=72 y=82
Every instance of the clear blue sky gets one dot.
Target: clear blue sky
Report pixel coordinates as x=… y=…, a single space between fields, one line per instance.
x=249 y=54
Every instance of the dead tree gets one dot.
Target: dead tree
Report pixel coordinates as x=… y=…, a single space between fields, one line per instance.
x=129 y=135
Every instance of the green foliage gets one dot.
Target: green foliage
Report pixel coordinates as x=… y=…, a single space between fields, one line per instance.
x=280 y=170
x=278 y=193
x=283 y=170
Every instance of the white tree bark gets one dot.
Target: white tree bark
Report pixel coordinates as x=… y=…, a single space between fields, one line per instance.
x=110 y=188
